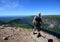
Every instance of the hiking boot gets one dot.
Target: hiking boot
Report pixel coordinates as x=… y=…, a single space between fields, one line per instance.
x=39 y=35
x=34 y=33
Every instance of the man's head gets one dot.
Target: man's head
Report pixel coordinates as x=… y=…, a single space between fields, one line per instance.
x=38 y=14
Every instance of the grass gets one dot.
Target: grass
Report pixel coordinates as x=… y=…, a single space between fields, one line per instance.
x=22 y=26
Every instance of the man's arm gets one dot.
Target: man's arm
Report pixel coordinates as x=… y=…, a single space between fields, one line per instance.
x=33 y=20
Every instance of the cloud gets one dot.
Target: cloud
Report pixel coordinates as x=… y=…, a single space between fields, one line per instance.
x=4 y=4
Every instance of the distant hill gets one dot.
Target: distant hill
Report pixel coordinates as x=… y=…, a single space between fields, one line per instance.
x=7 y=19
x=2 y=22
x=16 y=19
x=52 y=22
x=52 y=19
x=28 y=19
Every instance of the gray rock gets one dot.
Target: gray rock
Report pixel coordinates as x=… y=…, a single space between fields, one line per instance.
x=5 y=38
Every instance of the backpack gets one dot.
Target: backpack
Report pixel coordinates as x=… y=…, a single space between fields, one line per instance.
x=38 y=18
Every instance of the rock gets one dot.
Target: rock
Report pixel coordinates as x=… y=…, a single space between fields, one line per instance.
x=5 y=38
x=51 y=25
x=1 y=27
x=50 y=40
x=10 y=34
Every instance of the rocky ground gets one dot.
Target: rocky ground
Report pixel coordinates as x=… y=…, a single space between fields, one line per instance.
x=11 y=34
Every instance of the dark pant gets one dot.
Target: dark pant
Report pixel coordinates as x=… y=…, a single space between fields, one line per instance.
x=37 y=27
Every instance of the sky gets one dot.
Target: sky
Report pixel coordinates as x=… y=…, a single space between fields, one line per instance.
x=29 y=7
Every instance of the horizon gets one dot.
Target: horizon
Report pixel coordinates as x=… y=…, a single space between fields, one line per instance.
x=28 y=15
x=29 y=7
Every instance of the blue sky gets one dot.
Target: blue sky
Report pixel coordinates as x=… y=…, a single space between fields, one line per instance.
x=29 y=7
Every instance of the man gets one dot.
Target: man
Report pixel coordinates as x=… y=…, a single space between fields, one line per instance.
x=37 y=21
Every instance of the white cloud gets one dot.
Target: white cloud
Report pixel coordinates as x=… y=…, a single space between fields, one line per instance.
x=4 y=4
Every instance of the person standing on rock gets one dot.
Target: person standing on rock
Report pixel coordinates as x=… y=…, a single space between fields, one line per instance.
x=37 y=21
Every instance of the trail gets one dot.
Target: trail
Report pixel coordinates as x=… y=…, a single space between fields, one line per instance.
x=24 y=35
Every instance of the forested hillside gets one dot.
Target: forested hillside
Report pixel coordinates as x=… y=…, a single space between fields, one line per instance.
x=52 y=22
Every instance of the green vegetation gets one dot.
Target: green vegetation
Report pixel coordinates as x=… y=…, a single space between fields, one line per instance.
x=21 y=25
x=23 y=22
x=56 y=28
